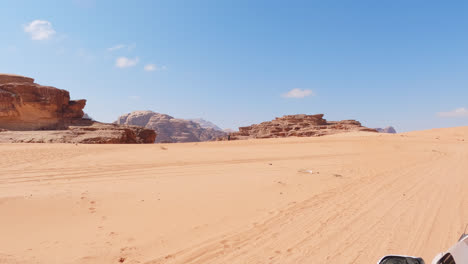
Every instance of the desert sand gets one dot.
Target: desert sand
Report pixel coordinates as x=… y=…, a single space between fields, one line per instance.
x=347 y=198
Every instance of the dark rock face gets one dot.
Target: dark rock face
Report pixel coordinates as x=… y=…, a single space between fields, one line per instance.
x=25 y=105
x=298 y=126
x=170 y=129
x=388 y=129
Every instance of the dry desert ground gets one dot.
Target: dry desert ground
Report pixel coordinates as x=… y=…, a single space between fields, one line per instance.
x=347 y=198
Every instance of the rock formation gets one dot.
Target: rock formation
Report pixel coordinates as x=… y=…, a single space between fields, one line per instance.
x=388 y=129
x=97 y=133
x=26 y=107
x=205 y=123
x=298 y=126
x=86 y=116
x=170 y=129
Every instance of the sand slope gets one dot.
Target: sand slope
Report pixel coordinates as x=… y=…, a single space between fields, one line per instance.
x=235 y=202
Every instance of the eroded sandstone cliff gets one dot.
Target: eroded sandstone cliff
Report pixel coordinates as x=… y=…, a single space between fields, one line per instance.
x=25 y=105
x=170 y=129
x=33 y=113
x=298 y=126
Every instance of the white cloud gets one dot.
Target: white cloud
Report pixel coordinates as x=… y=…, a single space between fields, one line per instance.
x=116 y=47
x=124 y=62
x=150 y=67
x=122 y=46
x=154 y=67
x=39 y=29
x=298 y=93
x=459 y=112
x=134 y=97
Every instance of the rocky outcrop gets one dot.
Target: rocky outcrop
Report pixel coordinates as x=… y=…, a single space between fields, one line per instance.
x=96 y=133
x=298 y=126
x=12 y=78
x=388 y=129
x=205 y=123
x=30 y=112
x=25 y=105
x=168 y=128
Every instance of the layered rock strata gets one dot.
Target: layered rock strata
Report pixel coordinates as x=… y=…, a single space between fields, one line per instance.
x=298 y=126
x=170 y=129
x=30 y=112
x=25 y=105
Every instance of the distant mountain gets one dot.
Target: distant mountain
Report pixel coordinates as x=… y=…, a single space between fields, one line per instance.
x=205 y=124
x=170 y=129
x=388 y=129
x=229 y=130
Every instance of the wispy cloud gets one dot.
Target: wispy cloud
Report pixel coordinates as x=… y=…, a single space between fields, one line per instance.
x=39 y=30
x=150 y=67
x=459 y=112
x=124 y=62
x=134 y=97
x=298 y=93
x=154 y=67
x=122 y=46
x=116 y=47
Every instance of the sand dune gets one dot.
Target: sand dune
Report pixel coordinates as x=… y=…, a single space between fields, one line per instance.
x=347 y=198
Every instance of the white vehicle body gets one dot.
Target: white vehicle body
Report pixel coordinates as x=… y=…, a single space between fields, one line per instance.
x=459 y=253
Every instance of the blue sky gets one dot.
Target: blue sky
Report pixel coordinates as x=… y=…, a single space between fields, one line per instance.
x=401 y=63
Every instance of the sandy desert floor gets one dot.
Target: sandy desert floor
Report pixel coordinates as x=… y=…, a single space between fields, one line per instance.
x=348 y=198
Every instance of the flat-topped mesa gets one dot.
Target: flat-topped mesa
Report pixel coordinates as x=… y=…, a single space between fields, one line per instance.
x=298 y=126
x=25 y=105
